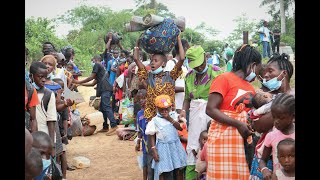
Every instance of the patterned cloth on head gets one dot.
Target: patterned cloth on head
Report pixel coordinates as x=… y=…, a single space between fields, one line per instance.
x=163 y=101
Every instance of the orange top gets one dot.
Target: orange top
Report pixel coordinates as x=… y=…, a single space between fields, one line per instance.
x=234 y=91
x=34 y=98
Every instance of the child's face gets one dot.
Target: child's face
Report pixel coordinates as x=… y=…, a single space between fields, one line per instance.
x=203 y=138
x=281 y=117
x=164 y=111
x=157 y=61
x=69 y=68
x=40 y=77
x=143 y=102
x=286 y=157
x=49 y=62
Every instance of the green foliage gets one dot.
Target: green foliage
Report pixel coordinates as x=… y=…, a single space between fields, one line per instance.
x=38 y=31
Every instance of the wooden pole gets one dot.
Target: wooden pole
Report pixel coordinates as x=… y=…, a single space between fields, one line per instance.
x=245 y=37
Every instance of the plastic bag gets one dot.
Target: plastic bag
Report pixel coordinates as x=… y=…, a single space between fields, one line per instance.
x=127 y=111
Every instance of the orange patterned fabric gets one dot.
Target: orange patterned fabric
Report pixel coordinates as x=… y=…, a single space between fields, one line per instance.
x=167 y=88
x=226 y=155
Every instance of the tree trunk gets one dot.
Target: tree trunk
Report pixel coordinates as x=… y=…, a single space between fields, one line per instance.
x=282 y=17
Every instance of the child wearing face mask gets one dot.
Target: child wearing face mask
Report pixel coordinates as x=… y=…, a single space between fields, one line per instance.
x=42 y=142
x=167 y=150
x=157 y=81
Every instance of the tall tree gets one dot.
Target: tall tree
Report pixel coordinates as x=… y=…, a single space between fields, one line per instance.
x=283 y=7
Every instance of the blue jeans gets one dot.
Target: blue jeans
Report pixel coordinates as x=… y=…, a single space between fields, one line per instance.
x=266 y=49
x=106 y=110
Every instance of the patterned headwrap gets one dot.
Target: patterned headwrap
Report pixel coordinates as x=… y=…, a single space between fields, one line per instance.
x=163 y=101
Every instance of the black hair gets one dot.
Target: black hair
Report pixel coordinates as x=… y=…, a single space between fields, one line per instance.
x=287 y=141
x=184 y=45
x=258 y=100
x=244 y=56
x=163 y=56
x=67 y=52
x=283 y=62
x=34 y=161
x=47 y=42
x=201 y=134
x=287 y=100
x=143 y=92
x=125 y=52
x=70 y=63
x=97 y=57
x=36 y=65
x=40 y=137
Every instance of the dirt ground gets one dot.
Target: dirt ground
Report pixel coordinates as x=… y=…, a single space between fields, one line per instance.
x=110 y=158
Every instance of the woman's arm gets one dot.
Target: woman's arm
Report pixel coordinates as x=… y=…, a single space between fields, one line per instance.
x=91 y=77
x=94 y=82
x=212 y=110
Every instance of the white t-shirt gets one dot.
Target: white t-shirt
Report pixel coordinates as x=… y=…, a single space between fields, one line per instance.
x=152 y=129
x=267 y=32
x=180 y=82
x=50 y=115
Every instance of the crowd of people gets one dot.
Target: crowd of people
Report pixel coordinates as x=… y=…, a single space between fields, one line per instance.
x=193 y=118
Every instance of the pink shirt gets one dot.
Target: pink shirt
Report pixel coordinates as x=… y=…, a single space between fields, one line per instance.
x=203 y=155
x=272 y=139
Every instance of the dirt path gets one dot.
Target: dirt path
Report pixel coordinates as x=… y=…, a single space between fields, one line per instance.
x=110 y=158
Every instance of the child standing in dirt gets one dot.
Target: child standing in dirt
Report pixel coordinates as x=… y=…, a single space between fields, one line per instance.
x=142 y=137
x=167 y=150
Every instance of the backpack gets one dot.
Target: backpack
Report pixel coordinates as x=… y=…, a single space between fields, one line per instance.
x=45 y=99
x=160 y=38
x=30 y=89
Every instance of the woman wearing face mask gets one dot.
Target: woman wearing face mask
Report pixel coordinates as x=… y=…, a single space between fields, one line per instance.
x=197 y=85
x=276 y=79
x=228 y=104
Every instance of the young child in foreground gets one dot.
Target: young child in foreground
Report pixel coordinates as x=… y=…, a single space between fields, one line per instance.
x=283 y=113
x=286 y=155
x=201 y=165
x=168 y=152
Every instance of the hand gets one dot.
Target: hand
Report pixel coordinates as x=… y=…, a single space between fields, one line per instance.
x=33 y=126
x=182 y=115
x=166 y=115
x=194 y=153
x=245 y=130
x=69 y=102
x=155 y=155
x=137 y=148
x=267 y=175
x=59 y=91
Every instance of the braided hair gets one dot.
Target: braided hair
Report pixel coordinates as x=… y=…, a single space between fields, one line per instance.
x=283 y=63
x=244 y=56
x=288 y=101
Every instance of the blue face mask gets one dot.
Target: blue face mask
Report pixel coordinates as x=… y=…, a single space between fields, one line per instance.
x=203 y=71
x=251 y=76
x=35 y=86
x=273 y=84
x=157 y=71
x=46 y=163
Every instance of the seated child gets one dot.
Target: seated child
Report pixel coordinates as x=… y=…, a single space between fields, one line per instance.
x=200 y=164
x=33 y=164
x=286 y=155
x=43 y=143
x=167 y=150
